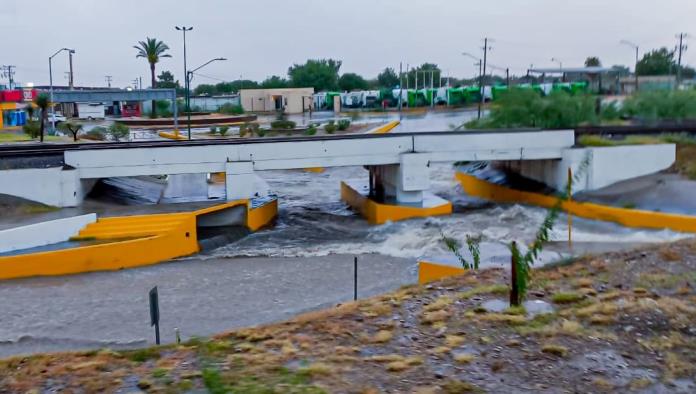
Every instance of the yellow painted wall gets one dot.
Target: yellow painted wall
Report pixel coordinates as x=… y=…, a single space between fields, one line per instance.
x=377 y=213
x=133 y=241
x=626 y=217
x=430 y=272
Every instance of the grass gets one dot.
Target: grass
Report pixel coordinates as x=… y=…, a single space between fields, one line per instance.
x=464 y=358
x=566 y=298
x=491 y=289
x=556 y=350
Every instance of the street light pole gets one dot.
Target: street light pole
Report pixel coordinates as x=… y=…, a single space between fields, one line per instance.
x=189 y=77
x=634 y=46
x=184 y=29
x=560 y=64
x=50 y=77
x=480 y=64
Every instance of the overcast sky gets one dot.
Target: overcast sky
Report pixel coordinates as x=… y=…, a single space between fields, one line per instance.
x=264 y=37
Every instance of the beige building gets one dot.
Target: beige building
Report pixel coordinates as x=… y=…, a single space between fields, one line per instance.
x=292 y=100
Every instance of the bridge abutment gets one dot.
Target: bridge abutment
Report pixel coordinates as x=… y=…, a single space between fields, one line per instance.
x=239 y=180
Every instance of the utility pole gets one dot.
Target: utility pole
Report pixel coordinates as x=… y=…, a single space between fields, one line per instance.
x=108 y=79
x=184 y=29
x=682 y=48
x=9 y=73
x=483 y=74
x=480 y=64
x=135 y=83
x=140 y=79
x=432 y=88
x=401 y=88
x=507 y=76
x=71 y=79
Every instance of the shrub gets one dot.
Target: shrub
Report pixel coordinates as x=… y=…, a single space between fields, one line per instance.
x=213 y=130
x=223 y=130
x=97 y=134
x=311 y=130
x=330 y=127
x=32 y=128
x=119 y=131
x=283 y=124
x=163 y=108
x=231 y=109
x=261 y=132
x=343 y=124
x=248 y=128
x=663 y=104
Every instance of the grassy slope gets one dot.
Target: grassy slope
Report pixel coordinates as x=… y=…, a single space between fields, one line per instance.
x=622 y=321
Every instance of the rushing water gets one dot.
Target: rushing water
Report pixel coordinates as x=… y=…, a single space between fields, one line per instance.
x=302 y=262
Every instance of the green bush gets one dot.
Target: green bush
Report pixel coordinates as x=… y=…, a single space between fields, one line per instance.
x=223 y=130
x=213 y=130
x=343 y=124
x=261 y=132
x=330 y=127
x=311 y=130
x=526 y=108
x=248 y=128
x=662 y=104
x=283 y=124
x=97 y=134
x=163 y=108
x=32 y=128
x=231 y=109
x=119 y=131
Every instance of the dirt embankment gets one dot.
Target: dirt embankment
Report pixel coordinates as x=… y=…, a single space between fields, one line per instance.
x=619 y=322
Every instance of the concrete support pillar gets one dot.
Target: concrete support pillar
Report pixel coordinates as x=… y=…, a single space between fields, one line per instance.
x=239 y=180
x=406 y=182
x=193 y=186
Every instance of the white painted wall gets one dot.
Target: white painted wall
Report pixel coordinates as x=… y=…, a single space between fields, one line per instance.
x=607 y=165
x=51 y=186
x=45 y=233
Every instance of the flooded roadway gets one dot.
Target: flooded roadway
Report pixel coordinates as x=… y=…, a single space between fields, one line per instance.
x=304 y=262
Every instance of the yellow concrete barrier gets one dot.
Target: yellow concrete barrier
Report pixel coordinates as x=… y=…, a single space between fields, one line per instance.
x=626 y=217
x=430 y=272
x=384 y=128
x=128 y=241
x=172 y=136
x=377 y=213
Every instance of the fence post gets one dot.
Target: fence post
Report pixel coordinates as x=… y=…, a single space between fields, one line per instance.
x=514 y=290
x=568 y=210
x=154 y=313
x=355 y=279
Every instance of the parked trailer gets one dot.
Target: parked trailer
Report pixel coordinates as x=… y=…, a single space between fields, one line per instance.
x=90 y=110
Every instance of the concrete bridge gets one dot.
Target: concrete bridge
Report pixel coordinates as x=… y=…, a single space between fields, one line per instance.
x=398 y=164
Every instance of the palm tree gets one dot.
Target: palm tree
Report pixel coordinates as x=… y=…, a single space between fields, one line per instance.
x=152 y=50
x=42 y=102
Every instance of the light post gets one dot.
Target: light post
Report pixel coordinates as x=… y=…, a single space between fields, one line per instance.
x=480 y=64
x=634 y=46
x=560 y=65
x=50 y=77
x=184 y=29
x=189 y=77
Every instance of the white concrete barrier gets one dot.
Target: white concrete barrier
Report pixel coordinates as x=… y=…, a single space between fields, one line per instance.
x=53 y=186
x=44 y=233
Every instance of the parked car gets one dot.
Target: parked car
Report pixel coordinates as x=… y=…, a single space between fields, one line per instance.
x=56 y=118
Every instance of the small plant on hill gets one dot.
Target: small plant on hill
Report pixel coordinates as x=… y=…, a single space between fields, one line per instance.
x=248 y=129
x=343 y=124
x=223 y=130
x=213 y=130
x=311 y=130
x=119 y=131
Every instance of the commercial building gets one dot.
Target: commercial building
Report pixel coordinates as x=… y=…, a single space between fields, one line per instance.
x=12 y=104
x=291 y=100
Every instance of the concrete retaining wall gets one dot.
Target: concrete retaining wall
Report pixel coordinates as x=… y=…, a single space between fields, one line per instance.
x=45 y=233
x=607 y=165
x=40 y=185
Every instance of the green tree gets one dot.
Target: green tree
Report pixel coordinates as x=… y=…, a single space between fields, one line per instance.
x=119 y=131
x=152 y=50
x=321 y=74
x=593 y=61
x=656 y=62
x=166 y=81
x=274 y=82
x=72 y=128
x=42 y=102
x=352 y=81
x=204 y=90
x=388 y=78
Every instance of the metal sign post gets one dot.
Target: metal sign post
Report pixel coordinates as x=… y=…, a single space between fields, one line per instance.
x=154 y=313
x=355 y=279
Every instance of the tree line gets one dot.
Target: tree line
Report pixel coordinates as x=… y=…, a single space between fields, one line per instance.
x=325 y=75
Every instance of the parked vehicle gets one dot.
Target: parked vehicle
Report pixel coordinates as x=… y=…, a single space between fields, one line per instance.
x=56 y=118
x=90 y=111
